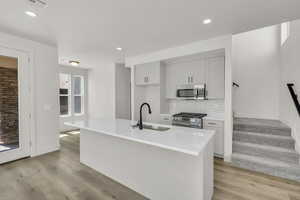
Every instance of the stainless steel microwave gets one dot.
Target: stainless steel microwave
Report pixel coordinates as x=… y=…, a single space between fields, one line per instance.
x=191 y=91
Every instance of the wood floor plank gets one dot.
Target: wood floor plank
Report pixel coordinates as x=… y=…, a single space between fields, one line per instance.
x=61 y=176
x=287 y=185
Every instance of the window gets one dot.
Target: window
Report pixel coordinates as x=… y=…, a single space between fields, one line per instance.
x=285 y=32
x=65 y=94
x=71 y=94
x=78 y=94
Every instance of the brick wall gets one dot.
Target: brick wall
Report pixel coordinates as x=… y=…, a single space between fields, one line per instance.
x=8 y=106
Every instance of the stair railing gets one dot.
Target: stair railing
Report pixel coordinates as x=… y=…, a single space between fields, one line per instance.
x=294 y=97
x=234 y=84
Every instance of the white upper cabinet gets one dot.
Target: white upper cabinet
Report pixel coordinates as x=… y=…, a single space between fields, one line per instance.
x=215 y=75
x=176 y=75
x=147 y=74
x=181 y=73
x=209 y=71
x=196 y=71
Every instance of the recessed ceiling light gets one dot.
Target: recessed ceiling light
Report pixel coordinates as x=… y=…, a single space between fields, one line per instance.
x=74 y=63
x=207 y=21
x=30 y=13
x=119 y=48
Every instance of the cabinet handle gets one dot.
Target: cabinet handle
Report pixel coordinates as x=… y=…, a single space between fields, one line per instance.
x=210 y=123
x=192 y=79
x=189 y=79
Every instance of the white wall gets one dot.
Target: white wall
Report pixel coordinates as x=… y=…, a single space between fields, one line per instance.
x=149 y=94
x=101 y=91
x=44 y=79
x=224 y=42
x=255 y=57
x=72 y=117
x=123 y=94
x=290 y=73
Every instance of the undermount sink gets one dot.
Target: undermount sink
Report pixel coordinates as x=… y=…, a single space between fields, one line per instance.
x=154 y=128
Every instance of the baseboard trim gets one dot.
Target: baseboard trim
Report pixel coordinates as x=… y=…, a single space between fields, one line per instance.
x=227 y=158
x=45 y=151
x=241 y=115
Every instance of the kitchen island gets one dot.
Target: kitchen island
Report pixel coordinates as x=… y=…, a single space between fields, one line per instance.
x=173 y=164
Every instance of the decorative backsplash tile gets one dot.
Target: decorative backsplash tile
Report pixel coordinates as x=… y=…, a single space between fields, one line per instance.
x=210 y=107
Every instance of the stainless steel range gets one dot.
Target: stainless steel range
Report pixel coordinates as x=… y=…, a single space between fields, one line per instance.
x=193 y=120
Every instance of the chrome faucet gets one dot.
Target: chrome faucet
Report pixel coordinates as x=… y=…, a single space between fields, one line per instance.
x=140 y=123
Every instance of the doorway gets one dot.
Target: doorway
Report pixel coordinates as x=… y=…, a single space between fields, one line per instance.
x=73 y=95
x=14 y=105
x=123 y=92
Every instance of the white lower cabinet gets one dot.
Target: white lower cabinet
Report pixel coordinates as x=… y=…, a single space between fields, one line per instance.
x=166 y=119
x=218 y=126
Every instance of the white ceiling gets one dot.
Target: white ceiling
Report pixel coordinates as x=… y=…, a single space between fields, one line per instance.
x=90 y=30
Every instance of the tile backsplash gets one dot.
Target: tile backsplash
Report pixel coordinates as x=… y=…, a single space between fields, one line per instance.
x=210 y=107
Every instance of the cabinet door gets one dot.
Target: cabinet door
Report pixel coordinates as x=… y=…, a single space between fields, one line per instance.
x=176 y=75
x=196 y=71
x=181 y=74
x=147 y=74
x=219 y=142
x=140 y=75
x=153 y=73
x=215 y=71
x=219 y=136
x=170 y=83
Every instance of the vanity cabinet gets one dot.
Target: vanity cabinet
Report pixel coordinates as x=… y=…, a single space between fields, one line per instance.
x=217 y=126
x=147 y=74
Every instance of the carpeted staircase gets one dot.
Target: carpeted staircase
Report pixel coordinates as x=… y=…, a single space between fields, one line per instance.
x=265 y=146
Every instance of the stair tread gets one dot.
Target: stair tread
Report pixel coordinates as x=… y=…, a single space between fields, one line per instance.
x=265 y=135
x=261 y=123
x=266 y=147
x=266 y=161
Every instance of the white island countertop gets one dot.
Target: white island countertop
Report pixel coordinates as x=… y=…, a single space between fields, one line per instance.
x=186 y=140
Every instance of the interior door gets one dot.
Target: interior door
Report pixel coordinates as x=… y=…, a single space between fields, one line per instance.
x=14 y=105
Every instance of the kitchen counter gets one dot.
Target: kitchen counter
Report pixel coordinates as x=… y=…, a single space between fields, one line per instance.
x=214 y=117
x=175 y=164
x=181 y=139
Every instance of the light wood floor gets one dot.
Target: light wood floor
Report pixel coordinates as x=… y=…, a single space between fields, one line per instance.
x=60 y=176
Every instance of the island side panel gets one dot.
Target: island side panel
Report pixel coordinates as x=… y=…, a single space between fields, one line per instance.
x=208 y=155
x=154 y=172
